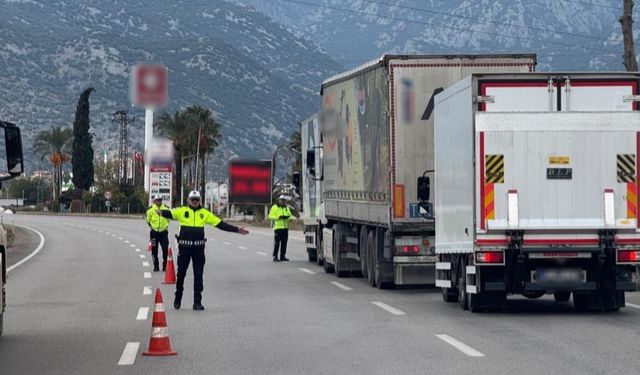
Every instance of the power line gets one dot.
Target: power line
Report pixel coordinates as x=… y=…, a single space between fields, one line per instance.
x=448 y=27
x=602 y=38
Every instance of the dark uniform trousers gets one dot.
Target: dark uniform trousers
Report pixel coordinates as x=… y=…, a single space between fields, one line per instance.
x=161 y=238
x=186 y=255
x=280 y=241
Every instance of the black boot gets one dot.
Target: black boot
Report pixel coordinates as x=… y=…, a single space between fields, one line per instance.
x=177 y=301
x=198 y=306
x=155 y=264
x=164 y=265
x=275 y=259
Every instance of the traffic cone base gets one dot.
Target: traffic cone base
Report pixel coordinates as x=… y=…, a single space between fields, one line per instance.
x=170 y=271
x=159 y=343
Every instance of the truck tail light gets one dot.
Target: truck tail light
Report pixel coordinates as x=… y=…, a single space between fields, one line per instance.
x=628 y=256
x=490 y=257
x=407 y=250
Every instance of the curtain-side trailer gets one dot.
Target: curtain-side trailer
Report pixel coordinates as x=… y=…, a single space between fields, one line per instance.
x=376 y=126
x=536 y=188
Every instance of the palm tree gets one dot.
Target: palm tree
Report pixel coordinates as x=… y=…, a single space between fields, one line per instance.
x=174 y=128
x=55 y=145
x=204 y=137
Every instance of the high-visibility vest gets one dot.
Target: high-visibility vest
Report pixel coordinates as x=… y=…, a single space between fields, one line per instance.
x=192 y=221
x=155 y=221
x=275 y=213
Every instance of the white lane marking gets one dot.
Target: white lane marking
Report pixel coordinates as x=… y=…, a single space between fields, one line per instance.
x=113 y=235
x=147 y=275
x=132 y=245
x=138 y=250
x=388 y=308
x=127 y=241
x=142 y=256
x=129 y=354
x=242 y=247
x=341 y=286
x=33 y=253
x=227 y=243
x=466 y=349
x=119 y=238
x=633 y=305
x=307 y=271
x=261 y=253
x=143 y=313
x=145 y=264
x=146 y=291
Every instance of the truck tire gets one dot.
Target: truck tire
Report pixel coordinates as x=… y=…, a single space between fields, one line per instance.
x=312 y=254
x=562 y=296
x=337 y=241
x=362 y=251
x=450 y=295
x=328 y=268
x=463 y=296
x=371 y=239
x=581 y=301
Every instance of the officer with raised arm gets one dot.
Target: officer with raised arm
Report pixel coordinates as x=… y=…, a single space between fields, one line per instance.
x=192 y=218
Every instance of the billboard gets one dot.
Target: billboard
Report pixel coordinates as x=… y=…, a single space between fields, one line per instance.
x=149 y=85
x=250 y=181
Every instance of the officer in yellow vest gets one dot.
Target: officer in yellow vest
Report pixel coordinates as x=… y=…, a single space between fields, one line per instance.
x=159 y=233
x=192 y=218
x=280 y=214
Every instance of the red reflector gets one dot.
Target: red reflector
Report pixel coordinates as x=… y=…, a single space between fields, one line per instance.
x=416 y=249
x=489 y=257
x=405 y=249
x=629 y=256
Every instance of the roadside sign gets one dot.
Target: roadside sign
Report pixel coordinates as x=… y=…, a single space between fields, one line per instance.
x=149 y=85
x=250 y=181
x=108 y=195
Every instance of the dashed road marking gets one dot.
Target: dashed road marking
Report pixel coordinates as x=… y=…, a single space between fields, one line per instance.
x=307 y=271
x=242 y=247
x=142 y=256
x=143 y=313
x=146 y=264
x=127 y=241
x=138 y=250
x=261 y=253
x=119 y=238
x=388 y=308
x=466 y=349
x=132 y=245
x=147 y=275
x=146 y=291
x=227 y=243
x=633 y=305
x=341 y=286
x=129 y=354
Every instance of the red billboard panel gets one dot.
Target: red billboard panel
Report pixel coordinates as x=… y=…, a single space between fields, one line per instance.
x=250 y=181
x=149 y=85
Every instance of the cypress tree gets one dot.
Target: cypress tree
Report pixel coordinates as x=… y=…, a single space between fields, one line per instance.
x=82 y=155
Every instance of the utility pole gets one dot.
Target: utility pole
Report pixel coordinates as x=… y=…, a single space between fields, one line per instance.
x=123 y=120
x=629 y=57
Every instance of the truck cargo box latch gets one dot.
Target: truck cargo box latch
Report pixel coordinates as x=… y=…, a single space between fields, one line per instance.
x=631 y=98
x=484 y=99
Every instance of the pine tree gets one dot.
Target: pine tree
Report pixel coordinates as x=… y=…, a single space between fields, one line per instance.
x=82 y=156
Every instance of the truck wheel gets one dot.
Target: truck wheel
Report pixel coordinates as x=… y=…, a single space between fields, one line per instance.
x=450 y=295
x=371 y=238
x=463 y=296
x=312 y=255
x=337 y=241
x=581 y=301
x=562 y=296
x=362 y=245
x=328 y=268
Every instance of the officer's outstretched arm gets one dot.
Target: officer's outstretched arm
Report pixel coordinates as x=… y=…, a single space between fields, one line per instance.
x=215 y=221
x=166 y=213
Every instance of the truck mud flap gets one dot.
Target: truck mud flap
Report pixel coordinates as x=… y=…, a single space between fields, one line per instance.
x=386 y=271
x=443 y=275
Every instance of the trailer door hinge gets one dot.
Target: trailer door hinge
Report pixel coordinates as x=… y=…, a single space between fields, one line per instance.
x=484 y=99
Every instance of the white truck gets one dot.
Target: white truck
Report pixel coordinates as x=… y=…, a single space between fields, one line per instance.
x=12 y=167
x=376 y=136
x=312 y=210
x=536 y=188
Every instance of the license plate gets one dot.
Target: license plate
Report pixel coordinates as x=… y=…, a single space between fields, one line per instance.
x=559 y=275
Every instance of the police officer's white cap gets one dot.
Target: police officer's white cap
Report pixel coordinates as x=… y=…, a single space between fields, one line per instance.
x=157 y=197
x=194 y=194
x=282 y=197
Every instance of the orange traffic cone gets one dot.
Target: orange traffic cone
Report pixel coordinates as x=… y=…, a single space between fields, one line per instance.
x=170 y=272
x=159 y=343
x=149 y=247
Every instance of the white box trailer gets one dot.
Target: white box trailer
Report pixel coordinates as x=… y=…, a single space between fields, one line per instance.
x=536 y=188
x=377 y=146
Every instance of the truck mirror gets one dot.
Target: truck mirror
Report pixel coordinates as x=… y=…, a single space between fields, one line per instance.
x=311 y=162
x=296 y=180
x=13 y=146
x=424 y=188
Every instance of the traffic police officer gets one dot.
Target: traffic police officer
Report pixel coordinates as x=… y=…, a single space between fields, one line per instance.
x=159 y=233
x=191 y=240
x=280 y=214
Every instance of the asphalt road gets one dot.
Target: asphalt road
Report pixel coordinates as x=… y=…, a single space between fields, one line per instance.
x=74 y=307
